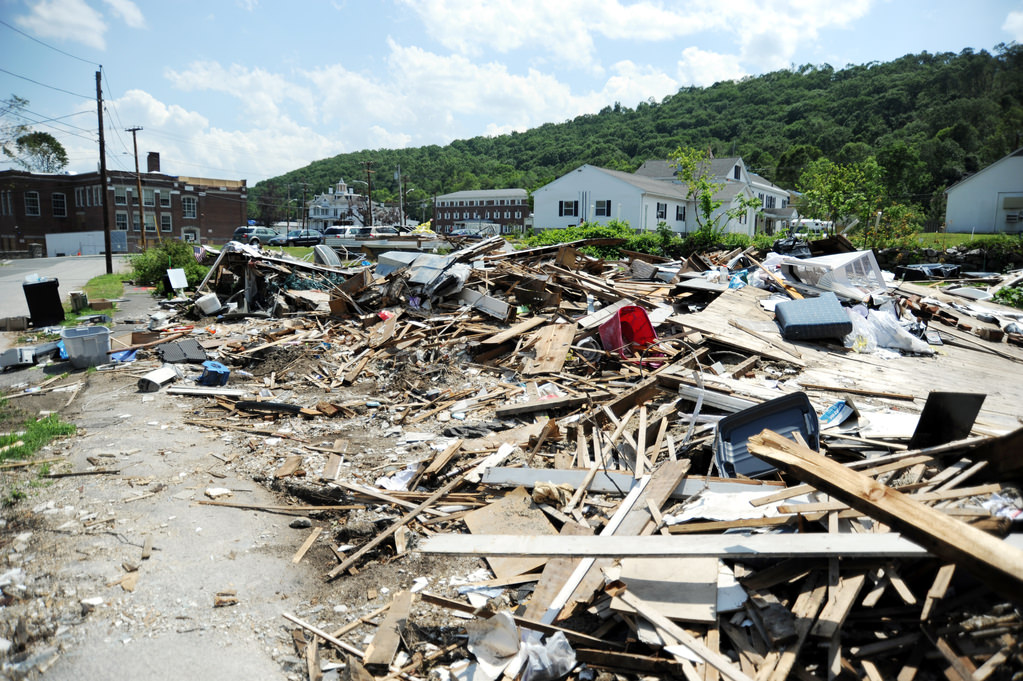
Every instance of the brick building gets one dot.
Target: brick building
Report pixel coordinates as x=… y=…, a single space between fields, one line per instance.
x=467 y=210
x=203 y=210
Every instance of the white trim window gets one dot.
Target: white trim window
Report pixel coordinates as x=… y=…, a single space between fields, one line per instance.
x=120 y=195
x=568 y=209
x=188 y=207
x=165 y=222
x=32 y=204
x=165 y=200
x=148 y=198
x=135 y=222
x=680 y=213
x=58 y=202
x=121 y=221
x=151 y=222
x=96 y=199
x=80 y=197
x=6 y=203
x=602 y=209
x=662 y=211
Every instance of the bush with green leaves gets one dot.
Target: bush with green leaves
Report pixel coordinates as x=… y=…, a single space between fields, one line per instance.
x=1010 y=295
x=150 y=266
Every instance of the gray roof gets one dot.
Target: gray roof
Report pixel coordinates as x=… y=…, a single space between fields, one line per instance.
x=647 y=184
x=659 y=169
x=485 y=194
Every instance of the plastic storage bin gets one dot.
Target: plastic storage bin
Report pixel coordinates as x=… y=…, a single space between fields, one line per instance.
x=784 y=415
x=43 y=298
x=86 y=346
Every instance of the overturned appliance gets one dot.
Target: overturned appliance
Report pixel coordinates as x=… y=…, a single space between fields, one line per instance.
x=853 y=276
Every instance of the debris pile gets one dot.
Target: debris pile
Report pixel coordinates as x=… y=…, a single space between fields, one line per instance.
x=726 y=467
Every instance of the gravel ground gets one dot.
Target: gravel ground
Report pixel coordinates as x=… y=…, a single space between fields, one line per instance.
x=81 y=602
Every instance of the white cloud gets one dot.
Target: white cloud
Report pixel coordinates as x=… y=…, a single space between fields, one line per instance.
x=567 y=30
x=70 y=20
x=247 y=5
x=1014 y=26
x=128 y=11
x=632 y=84
x=702 y=68
x=260 y=94
x=190 y=145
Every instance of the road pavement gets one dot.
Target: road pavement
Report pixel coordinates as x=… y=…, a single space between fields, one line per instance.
x=72 y=272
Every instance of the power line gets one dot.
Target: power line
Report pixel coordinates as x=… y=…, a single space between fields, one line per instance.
x=52 y=87
x=55 y=49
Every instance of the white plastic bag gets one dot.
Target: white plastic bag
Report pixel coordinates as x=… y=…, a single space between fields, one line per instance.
x=546 y=662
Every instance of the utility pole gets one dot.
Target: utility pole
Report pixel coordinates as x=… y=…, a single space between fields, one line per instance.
x=305 y=209
x=138 y=184
x=369 y=188
x=401 y=201
x=103 y=176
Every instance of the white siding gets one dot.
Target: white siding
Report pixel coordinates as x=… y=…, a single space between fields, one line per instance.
x=976 y=205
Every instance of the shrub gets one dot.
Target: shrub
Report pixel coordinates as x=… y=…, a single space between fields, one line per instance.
x=150 y=266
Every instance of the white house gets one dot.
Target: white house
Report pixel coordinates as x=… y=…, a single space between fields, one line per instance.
x=339 y=205
x=990 y=200
x=648 y=197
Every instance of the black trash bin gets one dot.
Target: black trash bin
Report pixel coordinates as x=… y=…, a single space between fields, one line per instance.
x=43 y=300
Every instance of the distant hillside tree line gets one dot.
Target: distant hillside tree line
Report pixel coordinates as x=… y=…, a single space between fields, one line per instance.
x=914 y=126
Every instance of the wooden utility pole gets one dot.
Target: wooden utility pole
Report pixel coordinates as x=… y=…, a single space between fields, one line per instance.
x=369 y=188
x=103 y=176
x=138 y=184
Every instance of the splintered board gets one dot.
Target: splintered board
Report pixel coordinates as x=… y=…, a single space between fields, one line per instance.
x=514 y=514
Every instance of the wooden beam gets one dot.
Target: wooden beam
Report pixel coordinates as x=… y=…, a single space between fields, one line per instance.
x=995 y=562
x=666 y=626
x=865 y=545
x=384 y=645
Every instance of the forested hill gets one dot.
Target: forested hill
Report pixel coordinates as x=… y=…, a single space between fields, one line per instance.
x=928 y=119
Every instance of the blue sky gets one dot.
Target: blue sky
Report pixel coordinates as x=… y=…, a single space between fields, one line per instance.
x=249 y=89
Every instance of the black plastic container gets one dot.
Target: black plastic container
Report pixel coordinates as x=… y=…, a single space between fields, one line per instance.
x=43 y=300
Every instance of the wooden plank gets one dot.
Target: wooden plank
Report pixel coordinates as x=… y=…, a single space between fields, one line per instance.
x=514 y=331
x=539 y=405
x=917 y=498
x=864 y=545
x=679 y=588
x=514 y=514
x=996 y=562
x=523 y=622
x=383 y=536
x=288 y=468
x=552 y=345
x=838 y=607
x=778 y=664
x=610 y=482
x=937 y=591
x=666 y=626
x=555 y=573
x=306 y=545
x=382 y=648
x=443 y=459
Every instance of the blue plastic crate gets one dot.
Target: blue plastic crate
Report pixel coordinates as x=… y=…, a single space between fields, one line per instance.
x=214 y=373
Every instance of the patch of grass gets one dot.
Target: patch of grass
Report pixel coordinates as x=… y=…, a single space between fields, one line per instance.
x=105 y=286
x=37 y=433
x=72 y=318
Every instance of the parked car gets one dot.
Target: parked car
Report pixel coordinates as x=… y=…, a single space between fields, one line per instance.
x=466 y=234
x=298 y=237
x=254 y=235
x=375 y=232
x=348 y=232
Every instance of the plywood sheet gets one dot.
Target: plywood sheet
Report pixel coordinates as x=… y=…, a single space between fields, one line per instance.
x=515 y=514
x=679 y=588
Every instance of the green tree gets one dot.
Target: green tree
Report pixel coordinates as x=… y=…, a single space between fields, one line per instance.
x=841 y=194
x=693 y=167
x=40 y=151
x=12 y=124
